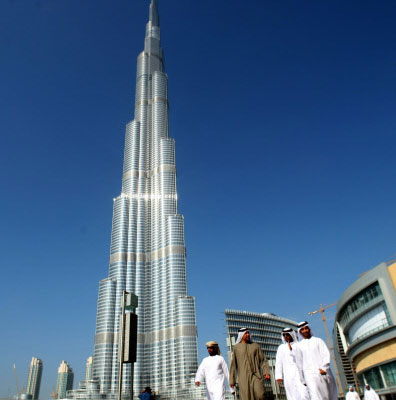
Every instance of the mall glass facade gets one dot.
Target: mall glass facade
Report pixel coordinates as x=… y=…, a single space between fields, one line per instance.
x=365 y=330
x=365 y=314
x=380 y=377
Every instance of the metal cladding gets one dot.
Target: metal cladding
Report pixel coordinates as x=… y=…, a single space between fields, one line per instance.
x=147 y=254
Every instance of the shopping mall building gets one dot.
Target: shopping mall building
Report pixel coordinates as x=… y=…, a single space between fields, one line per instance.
x=365 y=331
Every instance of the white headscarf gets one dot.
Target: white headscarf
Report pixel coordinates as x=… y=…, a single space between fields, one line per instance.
x=291 y=332
x=301 y=325
x=241 y=332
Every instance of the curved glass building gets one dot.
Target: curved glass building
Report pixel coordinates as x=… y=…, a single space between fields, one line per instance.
x=365 y=330
x=147 y=252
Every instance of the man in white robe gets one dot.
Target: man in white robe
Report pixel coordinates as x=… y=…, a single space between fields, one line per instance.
x=286 y=371
x=313 y=362
x=352 y=395
x=370 y=393
x=214 y=371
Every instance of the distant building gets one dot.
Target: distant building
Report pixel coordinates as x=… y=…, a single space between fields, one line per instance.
x=365 y=330
x=88 y=390
x=88 y=369
x=265 y=329
x=34 y=378
x=65 y=380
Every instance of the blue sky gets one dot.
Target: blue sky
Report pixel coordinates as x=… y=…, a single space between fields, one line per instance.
x=284 y=119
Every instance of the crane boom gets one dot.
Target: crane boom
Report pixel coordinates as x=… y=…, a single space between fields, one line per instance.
x=16 y=379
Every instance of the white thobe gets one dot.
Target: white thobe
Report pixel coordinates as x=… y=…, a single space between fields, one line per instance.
x=214 y=371
x=352 y=396
x=286 y=369
x=370 y=394
x=311 y=355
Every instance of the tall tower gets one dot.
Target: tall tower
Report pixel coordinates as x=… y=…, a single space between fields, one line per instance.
x=88 y=369
x=147 y=252
x=65 y=380
x=34 y=378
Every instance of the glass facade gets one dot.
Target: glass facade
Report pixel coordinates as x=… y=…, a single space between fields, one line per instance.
x=88 y=389
x=359 y=303
x=365 y=330
x=34 y=378
x=147 y=251
x=365 y=314
x=380 y=377
x=369 y=323
x=389 y=372
x=65 y=380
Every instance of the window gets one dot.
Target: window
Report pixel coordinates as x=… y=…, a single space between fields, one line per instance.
x=359 y=302
x=373 y=378
x=389 y=372
x=373 y=321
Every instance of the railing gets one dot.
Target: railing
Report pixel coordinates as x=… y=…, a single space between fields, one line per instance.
x=384 y=324
x=345 y=319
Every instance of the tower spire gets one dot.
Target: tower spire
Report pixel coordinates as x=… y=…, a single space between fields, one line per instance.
x=154 y=18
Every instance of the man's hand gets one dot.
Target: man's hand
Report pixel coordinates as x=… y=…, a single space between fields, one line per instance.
x=267 y=377
x=280 y=381
x=197 y=383
x=322 y=372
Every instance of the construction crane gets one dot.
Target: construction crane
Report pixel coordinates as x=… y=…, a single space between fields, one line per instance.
x=53 y=394
x=19 y=392
x=16 y=379
x=330 y=343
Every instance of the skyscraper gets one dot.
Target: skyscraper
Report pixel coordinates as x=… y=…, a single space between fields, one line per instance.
x=65 y=380
x=88 y=369
x=34 y=378
x=147 y=252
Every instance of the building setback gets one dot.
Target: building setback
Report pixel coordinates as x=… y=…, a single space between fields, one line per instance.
x=34 y=378
x=147 y=251
x=266 y=330
x=65 y=380
x=365 y=330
